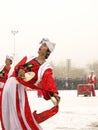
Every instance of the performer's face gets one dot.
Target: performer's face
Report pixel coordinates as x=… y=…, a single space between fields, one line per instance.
x=8 y=61
x=92 y=73
x=43 y=50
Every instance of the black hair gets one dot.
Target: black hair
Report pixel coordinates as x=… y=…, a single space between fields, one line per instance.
x=47 y=54
x=11 y=61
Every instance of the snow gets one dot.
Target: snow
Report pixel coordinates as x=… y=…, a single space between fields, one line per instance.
x=75 y=112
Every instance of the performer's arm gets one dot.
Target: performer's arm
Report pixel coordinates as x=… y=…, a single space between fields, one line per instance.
x=48 y=86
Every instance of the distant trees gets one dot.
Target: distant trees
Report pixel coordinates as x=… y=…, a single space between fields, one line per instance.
x=76 y=76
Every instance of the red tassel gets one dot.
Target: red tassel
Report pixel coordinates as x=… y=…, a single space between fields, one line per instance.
x=45 y=114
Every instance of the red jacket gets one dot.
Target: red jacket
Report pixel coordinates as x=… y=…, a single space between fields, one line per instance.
x=4 y=72
x=92 y=79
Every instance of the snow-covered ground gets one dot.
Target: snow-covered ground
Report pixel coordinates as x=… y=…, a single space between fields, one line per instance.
x=75 y=112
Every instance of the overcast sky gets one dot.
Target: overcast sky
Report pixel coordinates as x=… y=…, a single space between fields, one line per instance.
x=71 y=24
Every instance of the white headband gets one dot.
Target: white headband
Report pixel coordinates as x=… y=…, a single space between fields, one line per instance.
x=49 y=44
x=9 y=57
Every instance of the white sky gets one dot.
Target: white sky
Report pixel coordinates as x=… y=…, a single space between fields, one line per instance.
x=71 y=24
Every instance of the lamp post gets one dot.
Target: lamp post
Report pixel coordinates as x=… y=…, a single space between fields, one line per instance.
x=14 y=32
x=68 y=67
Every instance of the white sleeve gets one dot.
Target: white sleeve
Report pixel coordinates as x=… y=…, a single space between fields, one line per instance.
x=1 y=67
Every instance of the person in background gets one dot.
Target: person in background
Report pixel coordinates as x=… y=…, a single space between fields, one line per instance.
x=4 y=70
x=34 y=73
x=92 y=80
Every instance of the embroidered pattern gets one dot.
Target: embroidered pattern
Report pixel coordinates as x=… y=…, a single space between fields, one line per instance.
x=1 y=74
x=28 y=66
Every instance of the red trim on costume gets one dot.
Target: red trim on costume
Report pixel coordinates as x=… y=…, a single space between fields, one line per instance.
x=5 y=76
x=1 y=113
x=41 y=117
x=28 y=115
x=18 y=111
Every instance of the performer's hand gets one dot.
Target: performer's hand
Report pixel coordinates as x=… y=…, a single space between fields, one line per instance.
x=1 y=75
x=21 y=73
x=57 y=97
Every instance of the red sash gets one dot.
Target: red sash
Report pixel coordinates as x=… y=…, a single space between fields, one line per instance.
x=45 y=114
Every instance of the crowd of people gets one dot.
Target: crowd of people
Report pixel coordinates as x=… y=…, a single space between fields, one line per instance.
x=34 y=73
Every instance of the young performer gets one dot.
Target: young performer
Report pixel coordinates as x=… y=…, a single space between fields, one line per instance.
x=34 y=73
x=4 y=70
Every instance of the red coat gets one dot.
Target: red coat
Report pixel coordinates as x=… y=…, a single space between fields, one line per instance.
x=5 y=72
x=92 y=80
x=19 y=110
x=47 y=83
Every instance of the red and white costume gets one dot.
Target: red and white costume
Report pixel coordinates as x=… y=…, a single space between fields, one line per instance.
x=16 y=112
x=3 y=70
x=92 y=81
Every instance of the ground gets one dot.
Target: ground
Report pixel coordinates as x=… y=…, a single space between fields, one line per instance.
x=75 y=112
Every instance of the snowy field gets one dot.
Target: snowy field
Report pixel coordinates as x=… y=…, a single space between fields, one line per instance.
x=75 y=112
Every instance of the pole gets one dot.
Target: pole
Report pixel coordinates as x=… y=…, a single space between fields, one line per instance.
x=68 y=66
x=14 y=32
